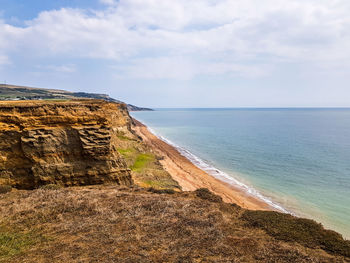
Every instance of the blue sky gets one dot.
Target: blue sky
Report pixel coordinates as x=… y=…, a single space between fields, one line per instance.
x=178 y=53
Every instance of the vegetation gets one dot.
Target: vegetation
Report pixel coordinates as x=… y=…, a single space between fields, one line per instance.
x=142 y=160
x=304 y=231
x=124 y=138
x=205 y=194
x=144 y=163
x=14 y=243
x=5 y=189
x=11 y=92
x=119 y=224
x=127 y=153
x=161 y=191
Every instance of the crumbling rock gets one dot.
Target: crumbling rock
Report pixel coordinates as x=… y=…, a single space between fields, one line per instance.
x=62 y=142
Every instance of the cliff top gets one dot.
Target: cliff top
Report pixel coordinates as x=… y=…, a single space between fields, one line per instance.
x=54 y=102
x=111 y=224
x=16 y=114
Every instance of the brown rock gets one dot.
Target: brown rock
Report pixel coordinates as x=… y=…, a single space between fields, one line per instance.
x=62 y=142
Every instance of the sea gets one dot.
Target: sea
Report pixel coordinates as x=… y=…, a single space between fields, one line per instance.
x=297 y=160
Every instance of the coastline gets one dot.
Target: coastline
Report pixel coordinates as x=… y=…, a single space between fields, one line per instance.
x=190 y=177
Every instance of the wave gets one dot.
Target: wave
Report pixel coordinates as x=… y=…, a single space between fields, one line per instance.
x=213 y=171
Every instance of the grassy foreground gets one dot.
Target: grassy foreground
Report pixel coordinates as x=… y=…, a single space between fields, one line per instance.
x=115 y=224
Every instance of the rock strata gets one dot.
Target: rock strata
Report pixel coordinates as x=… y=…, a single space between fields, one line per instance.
x=62 y=142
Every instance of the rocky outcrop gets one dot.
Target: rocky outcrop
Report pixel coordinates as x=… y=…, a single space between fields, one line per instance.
x=62 y=142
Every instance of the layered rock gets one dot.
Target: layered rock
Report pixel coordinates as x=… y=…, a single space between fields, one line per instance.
x=62 y=142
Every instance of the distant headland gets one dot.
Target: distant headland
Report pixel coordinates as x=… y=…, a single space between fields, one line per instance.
x=14 y=92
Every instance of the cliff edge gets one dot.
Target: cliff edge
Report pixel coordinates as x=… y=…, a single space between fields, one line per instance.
x=62 y=142
x=48 y=144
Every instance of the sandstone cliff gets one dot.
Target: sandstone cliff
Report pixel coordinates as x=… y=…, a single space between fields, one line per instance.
x=62 y=142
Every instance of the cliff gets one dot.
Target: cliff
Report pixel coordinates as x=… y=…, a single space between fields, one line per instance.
x=135 y=211
x=62 y=142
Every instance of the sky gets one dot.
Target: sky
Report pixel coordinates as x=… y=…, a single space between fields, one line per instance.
x=180 y=53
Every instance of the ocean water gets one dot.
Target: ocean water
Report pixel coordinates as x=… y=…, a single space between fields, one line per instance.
x=296 y=159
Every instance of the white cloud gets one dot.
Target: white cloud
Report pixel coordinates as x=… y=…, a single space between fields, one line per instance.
x=169 y=36
x=158 y=68
x=69 y=68
x=183 y=68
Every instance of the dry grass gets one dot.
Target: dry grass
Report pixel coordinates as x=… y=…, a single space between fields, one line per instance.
x=110 y=224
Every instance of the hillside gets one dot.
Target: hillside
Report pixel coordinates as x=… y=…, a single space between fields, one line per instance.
x=114 y=224
x=12 y=92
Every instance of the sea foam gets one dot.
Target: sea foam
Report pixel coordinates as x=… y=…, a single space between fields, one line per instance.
x=213 y=171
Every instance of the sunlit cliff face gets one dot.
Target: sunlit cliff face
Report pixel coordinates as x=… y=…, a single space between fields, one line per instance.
x=66 y=143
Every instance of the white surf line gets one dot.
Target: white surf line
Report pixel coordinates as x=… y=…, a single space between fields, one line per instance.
x=213 y=171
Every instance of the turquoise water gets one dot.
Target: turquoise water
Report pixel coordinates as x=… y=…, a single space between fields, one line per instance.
x=299 y=159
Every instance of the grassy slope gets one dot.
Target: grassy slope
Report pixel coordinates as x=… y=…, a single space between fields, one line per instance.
x=111 y=224
x=144 y=164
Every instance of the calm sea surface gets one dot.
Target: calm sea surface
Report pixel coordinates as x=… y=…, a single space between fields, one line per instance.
x=297 y=158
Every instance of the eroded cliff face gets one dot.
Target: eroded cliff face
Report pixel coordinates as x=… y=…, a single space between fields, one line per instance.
x=62 y=142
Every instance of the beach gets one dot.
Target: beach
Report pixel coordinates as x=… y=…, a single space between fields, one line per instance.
x=190 y=177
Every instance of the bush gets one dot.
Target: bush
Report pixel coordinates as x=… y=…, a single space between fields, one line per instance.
x=5 y=189
x=304 y=231
x=161 y=191
x=205 y=194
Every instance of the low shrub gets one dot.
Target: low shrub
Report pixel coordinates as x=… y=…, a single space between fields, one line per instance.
x=161 y=191
x=5 y=189
x=205 y=194
x=303 y=231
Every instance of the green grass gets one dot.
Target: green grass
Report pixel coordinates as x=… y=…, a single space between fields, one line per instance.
x=152 y=183
x=142 y=161
x=147 y=171
x=127 y=152
x=158 y=184
x=14 y=243
x=138 y=160
x=124 y=138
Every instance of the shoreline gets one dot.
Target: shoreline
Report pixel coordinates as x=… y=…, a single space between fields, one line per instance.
x=190 y=177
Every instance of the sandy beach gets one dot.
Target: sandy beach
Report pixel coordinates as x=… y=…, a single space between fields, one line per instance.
x=190 y=177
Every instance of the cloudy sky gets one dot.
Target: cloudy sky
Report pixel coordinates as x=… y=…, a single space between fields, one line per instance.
x=180 y=53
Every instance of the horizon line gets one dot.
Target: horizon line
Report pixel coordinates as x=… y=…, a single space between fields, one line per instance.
x=253 y=107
